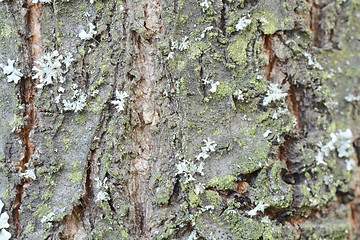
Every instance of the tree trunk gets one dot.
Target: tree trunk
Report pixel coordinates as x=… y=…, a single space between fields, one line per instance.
x=180 y=119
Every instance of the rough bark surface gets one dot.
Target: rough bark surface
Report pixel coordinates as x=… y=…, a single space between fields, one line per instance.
x=239 y=119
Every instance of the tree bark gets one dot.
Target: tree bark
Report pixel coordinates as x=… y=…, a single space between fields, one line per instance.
x=196 y=119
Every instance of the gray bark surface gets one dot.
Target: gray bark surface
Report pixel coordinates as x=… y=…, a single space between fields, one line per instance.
x=240 y=119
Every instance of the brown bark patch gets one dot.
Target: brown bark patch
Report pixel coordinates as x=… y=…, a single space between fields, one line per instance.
x=294 y=100
x=145 y=91
x=316 y=16
x=28 y=91
x=271 y=55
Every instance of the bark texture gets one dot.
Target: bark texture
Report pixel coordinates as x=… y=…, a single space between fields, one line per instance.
x=181 y=119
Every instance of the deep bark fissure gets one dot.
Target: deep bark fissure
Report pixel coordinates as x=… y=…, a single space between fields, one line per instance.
x=79 y=212
x=315 y=26
x=223 y=17
x=72 y=222
x=271 y=55
x=32 y=48
x=295 y=93
x=286 y=153
x=355 y=202
x=202 y=77
x=316 y=15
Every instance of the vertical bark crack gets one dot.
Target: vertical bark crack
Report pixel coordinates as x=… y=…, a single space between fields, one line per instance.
x=275 y=69
x=32 y=50
x=276 y=72
x=315 y=23
x=85 y=210
x=223 y=17
x=271 y=55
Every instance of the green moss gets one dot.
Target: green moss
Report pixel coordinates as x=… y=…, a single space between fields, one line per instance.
x=47 y=195
x=194 y=200
x=43 y=210
x=337 y=230
x=105 y=69
x=82 y=118
x=75 y=177
x=270 y=23
x=224 y=183
x=246 y=229
x=270 y=182
x=17 y=122
x=99 y=5
x=224 y=89
x=198 y=48
x=183 y=19
x=49 y=181
x=237 y=49
x=76 y=173
x=30 y=228
x=217 y=132
x=213 y=198
x=183 y=87
x=67 y=143
x=164 y=192
x=240 y=142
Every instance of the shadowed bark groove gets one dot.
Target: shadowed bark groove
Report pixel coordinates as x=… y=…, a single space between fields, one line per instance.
x=355 y=197
x=272 y=57
x=315 y=23
x=73 y=223
x=277 y=69
x=276 y=72
x=32 y=46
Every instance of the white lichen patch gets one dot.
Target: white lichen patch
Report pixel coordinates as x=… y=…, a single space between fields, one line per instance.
x=199 y=188
x=193 y=235
x=341 y=142
x=213 y=85
x=242 y=23
x=344 y=143
x=267 y=133
x=205 y=4
x=352 y=98
x=4 y=217
x=188 y=168
x=275 y=93
x=181 y=46
x=51 y=68
x=239 y=95
x=312 y=62
x=120 y=100
x=102 y=186
x=259 y=208
x=203 y=33
x=278 y=112
x=350 y=163
x=86 y=36
x=29 y=173
x=48 y=219
x=184 y=44
x=209 y=147
x=77 y=103
x=13 y=74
